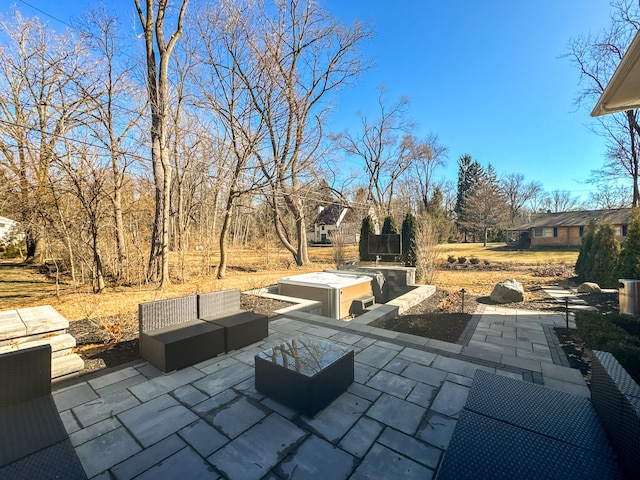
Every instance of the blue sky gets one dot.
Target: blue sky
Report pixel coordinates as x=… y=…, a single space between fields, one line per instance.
x=486 y=77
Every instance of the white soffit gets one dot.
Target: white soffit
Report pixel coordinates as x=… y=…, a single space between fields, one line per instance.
x=623 y=90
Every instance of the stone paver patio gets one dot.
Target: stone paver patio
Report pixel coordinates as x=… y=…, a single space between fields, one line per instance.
x=394 y=421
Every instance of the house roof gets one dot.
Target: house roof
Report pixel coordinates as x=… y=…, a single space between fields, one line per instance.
x=621 y=216
x=330 y=215
x=623 y=90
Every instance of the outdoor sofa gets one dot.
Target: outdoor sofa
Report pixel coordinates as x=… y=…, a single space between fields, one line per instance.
x=33 y=441
x=179 y=332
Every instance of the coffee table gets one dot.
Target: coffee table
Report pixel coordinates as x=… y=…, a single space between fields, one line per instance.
x=304 y=373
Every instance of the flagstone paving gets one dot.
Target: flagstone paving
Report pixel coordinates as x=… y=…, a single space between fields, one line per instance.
x=394 y=421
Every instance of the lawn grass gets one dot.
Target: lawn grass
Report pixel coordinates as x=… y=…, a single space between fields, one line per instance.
x=499 y=253
x=23 y=286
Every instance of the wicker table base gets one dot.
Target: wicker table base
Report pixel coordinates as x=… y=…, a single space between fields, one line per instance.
x=304 y=373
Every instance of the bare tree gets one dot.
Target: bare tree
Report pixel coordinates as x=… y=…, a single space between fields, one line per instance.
x=433 y=156
x=225 y=88
x=518 y=193
x=597 y=57
x=609 y=195
x=485 y=207
x=111 y=94
x=152 y=21
x=560 y=201
x=302 y=56
x=387 y=148
x=86 y=179
x=38 y=106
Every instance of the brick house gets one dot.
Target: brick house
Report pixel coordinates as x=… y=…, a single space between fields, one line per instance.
x=565 y=229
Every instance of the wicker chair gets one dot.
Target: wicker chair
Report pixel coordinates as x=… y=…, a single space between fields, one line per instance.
x=34 y=443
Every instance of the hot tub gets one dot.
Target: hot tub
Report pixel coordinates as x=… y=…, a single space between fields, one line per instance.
x=336 y=291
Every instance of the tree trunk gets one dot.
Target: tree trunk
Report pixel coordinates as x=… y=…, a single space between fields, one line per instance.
x=116 y=201
x=634 y=127
x=99 y=285
x=154 y=273
x=222 y=266
x=157 y=88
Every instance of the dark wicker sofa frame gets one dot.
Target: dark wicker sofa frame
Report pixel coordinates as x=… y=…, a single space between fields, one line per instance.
x=33 y=441
x=172 y=336
x=616 y=398
x=241 y=327
x=183 y=331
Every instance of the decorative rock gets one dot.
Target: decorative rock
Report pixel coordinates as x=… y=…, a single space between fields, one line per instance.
x=589 y=287
x=508 y=291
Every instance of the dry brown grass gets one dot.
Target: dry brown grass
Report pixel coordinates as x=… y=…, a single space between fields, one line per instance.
x=23 y=286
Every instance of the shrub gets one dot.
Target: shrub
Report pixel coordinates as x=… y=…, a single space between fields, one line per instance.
x=451 y=259
x=584 y=264
x=486 y=262
x=366 y=229
x=605 y=259
x=425 y=241
x=462 y=260
x=409 y=248
x=613 y=334
x=629 y=260
x=474 y=260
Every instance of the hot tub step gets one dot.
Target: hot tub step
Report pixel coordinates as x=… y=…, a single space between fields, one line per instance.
x=359 y=305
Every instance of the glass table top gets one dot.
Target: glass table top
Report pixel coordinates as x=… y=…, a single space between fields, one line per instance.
x=304 y=355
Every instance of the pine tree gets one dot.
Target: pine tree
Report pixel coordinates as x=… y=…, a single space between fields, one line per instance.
x=629 y=262
x=469 y=173
x=605 y=258
x=366 y=229
x=433 y=207
x=409 y=251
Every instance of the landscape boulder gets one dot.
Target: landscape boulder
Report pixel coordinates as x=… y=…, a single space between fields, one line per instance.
x=508 y=291
x=589 y=287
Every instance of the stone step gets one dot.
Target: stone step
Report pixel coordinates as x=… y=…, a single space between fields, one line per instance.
x=66 y=365
x=31 y=338
x=61 y=344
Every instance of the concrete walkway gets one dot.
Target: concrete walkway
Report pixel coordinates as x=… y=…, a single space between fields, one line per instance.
x=395 y=421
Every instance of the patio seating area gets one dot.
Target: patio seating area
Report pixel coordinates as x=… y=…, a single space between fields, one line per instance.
x=34 y=442
x=179 y=332
x=396 y=420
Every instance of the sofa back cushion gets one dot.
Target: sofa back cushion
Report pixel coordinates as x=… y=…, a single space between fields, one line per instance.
x=163 y=313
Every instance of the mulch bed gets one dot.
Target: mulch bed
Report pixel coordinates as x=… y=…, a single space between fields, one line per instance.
x=441 y=317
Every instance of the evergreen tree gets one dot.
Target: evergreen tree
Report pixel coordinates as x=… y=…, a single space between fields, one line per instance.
x=605 y=258
x=389 y=225
x=433 y=207
x=629 y=262
x=409 y=251
x=366 y=229
x=469 y=173
x=584 y=264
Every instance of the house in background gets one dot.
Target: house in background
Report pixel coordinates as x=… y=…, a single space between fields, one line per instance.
x=565 y=229
x=7 y=230
x=331 y=219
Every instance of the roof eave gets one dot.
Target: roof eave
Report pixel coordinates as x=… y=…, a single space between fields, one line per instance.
x=622 y=93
